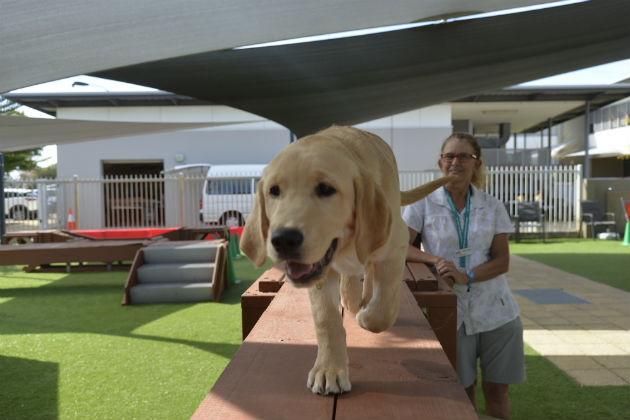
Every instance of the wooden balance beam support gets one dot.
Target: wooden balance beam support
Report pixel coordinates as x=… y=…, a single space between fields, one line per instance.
x=402 y=373
x=258 y=297
x=438 y=302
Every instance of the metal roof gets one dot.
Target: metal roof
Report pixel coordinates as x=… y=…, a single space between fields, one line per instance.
x=560 y=103
x=48 y=102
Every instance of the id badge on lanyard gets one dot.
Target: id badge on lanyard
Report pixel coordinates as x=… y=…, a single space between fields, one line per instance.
x=462 y=231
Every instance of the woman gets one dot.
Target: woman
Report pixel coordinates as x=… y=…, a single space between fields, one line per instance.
x=464 y=232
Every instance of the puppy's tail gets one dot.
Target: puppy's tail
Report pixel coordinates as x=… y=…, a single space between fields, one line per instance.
x=418 y=193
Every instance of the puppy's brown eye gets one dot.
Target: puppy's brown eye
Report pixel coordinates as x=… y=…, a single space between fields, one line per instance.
x=274 y=191
x=324 y=190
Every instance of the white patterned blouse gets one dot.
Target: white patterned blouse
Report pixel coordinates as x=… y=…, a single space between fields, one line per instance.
x=489 y=304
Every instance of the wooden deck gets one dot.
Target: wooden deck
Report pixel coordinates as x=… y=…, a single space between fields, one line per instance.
x=43 y=249
x=402 y=373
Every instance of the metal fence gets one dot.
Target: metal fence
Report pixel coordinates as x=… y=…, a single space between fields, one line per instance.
x=179 y=200
x=556 y=188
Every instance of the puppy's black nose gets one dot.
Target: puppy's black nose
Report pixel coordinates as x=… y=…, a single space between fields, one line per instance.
x=286 y=241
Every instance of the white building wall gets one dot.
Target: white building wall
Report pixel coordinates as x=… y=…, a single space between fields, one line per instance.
x=615 y=139
x=210 y=145
x=572 y=130
x=414 y=136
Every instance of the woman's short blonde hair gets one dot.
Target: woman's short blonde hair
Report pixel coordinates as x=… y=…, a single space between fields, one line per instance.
x=479 y=177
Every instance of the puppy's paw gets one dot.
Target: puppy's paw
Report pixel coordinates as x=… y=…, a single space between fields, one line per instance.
x=324 y=381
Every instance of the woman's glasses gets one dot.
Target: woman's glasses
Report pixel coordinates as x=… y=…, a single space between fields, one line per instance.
x=461 y=156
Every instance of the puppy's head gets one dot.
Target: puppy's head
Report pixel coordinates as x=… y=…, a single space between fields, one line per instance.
x=304 y=212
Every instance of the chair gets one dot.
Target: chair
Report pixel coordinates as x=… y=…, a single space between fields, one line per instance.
x=593 y=216
x=529 y=211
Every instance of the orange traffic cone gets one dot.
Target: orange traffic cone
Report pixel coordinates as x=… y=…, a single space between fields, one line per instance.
x=72 y=224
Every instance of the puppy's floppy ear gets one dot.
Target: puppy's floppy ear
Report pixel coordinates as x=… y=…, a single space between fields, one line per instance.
x=373 y=219
x=254 y=234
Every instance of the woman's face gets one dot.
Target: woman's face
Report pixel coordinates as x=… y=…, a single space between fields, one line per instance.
x=462 y=167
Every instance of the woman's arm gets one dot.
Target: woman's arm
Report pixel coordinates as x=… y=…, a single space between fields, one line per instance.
x=498 y=264
x=415 y=254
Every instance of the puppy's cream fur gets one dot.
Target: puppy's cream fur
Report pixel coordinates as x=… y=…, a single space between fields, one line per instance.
x=339 y=189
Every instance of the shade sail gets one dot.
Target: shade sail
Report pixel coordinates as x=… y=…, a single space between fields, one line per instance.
x=18 y=133
x=49 y=40
x=309 y=86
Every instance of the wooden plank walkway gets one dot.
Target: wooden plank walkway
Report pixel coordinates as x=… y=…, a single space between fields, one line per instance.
x=402 y=373
x=266 y=378
x=38 y=254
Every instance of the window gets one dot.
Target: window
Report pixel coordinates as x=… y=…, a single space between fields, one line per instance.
x=232 y=186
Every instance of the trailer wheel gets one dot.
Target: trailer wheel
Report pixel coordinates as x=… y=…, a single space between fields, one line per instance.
x=231 y=219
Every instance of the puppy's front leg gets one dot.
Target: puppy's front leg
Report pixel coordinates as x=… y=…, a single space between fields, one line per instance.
x=380 y=312
x=330 y=372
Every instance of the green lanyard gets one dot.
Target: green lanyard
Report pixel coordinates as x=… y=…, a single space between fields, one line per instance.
x=462 y=232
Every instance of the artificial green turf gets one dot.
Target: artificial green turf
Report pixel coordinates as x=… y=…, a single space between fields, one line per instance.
x=603 y=261
x=69 y=350
x=550 y=394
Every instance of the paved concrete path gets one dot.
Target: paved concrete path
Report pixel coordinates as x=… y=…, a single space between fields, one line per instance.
x=588 y=341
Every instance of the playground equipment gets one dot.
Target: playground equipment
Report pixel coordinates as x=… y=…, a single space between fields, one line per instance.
x=625 y=206
x=178 y=271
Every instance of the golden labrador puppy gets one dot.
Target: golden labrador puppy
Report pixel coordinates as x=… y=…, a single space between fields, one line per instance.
x=328 y=208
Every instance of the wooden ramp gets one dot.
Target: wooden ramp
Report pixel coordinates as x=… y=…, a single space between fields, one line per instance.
x=74 y=251
x=402 y=373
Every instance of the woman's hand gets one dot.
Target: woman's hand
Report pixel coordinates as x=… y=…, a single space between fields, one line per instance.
x=447 y=270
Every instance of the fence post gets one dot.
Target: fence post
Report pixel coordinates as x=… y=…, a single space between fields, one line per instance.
x=180 y=177
x=578 y=197
x=75 y=181
x=3 y=226
x=42 y=204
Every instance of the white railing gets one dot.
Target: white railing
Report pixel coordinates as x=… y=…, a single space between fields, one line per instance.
x=176 y=200
x=556 y=188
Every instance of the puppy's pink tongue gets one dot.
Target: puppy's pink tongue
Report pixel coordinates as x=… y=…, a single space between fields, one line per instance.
x=297 y=270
